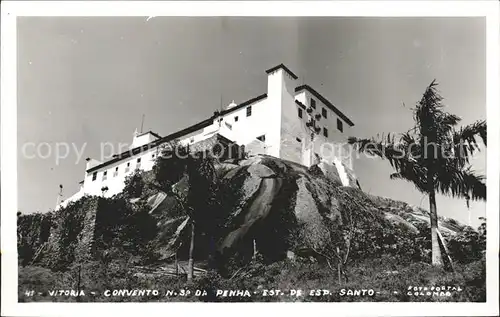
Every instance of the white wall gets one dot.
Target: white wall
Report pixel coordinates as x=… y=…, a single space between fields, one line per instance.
x=142 y=139
x=248 y=128
x=336 y=140
x=114 y=179
x=276 y=117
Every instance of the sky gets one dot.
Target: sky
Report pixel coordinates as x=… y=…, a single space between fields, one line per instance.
x=87 y=81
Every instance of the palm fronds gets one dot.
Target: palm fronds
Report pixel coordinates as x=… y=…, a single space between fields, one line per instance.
x=434 y=142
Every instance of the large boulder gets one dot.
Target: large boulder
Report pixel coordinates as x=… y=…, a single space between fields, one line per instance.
x=283 y=208
x=267 y=206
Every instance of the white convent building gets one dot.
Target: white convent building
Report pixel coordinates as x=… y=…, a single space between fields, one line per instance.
x=291 y=121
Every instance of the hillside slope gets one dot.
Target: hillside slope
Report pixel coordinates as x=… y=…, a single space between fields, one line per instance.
x=270 y=211
x=282 y=209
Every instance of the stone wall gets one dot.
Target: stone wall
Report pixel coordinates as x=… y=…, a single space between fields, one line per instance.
x=85 y=247
x=72 y=235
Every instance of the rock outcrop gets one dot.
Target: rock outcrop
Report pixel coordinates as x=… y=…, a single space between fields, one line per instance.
x=272 y=207
x=284 y=208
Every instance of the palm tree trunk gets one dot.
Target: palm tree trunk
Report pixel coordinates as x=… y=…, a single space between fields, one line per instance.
x=437 y=259
x=445 y=249
x=191 y=252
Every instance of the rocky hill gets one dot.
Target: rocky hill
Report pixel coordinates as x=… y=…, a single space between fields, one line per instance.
x=284 y=209
x=278 y=209
x=270 y=209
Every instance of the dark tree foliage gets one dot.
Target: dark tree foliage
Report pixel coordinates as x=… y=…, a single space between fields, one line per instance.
x=134 y=185
x=120 y=224
x=206 y=198
x=33 y=230
x=468 y=245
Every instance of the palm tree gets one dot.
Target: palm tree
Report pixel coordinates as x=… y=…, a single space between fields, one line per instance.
x=433 y=155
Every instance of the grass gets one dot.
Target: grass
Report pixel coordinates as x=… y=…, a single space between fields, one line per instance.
x=389 y=281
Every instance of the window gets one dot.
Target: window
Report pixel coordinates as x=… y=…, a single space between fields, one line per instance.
x=249 y=111
x=191 y=140
x=230 y=127
x=153 y=156
x=94 y=176
x=127 y=168
x=116 y=172
x=104 y=175
x=262 y=138
x=325 y=132
x=299 y=112
x=138 y=165
x=313 y=103
x=323 y=112
x=236 y=119
x=339 y=125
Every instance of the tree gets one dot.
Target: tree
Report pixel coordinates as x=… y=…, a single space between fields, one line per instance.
x=134 y=184
x=434 y=155
x=104 y=189
x=177 y=163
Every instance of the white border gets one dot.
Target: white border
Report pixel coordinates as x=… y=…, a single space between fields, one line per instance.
x=10 y=10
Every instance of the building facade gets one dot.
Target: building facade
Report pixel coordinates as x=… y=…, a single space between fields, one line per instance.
x=290 y=121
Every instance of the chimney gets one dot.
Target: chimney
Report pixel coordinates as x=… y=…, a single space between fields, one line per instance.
x=231 y=105
x=281 y=83
x=91 y=163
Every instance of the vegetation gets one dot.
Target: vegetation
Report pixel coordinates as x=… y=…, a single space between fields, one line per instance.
x=469 y=245
x=67 y=224
x=388 y=279
x=362 y=249
x=382 y=257
x=200 y=197
x=433 y=155
x=33 y=231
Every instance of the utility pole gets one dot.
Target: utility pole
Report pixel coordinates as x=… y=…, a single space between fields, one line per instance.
x=59 y=195
x=218 y=112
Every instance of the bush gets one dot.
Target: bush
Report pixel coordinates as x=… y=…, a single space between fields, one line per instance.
x=33 y=231
x=468 y=245
x=33 y=280
x=134 y=185
x=140 y=184
x=68 y=223
x=390 y=281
